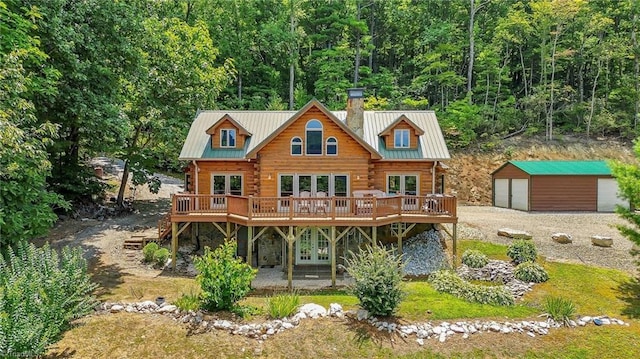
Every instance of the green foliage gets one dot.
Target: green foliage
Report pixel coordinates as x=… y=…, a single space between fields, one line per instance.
x=531 y=272
x=449 y=282
x=521 y=251
x=377 y=273
x=41 y=291
x=559 y=309
x=245 y=311
x=282 y=305
x=188 y=301
x=474 y=258
x=223 y=278
x=149 y=250
x=160 y=256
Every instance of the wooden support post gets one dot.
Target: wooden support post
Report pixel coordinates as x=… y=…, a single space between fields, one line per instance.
x=399 y=235
x=174 y=244
x=228 y=231
x=290 y=239
x=455 y=246
x=333 y=241
x=249 y=258
x=374 y=235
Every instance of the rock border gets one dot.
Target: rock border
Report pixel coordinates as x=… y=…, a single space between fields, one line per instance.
x=200 y=321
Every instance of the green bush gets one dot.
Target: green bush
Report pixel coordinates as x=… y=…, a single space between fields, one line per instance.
x=282 y=305
x=223 y=278
x=449 y=282
x=531 y=272
x=559 y=309
x=41 y=291
x=149 y=250
x=160 y=256
x=188 y=301
x=377 y=273
x=474 y=258
x=521 y=251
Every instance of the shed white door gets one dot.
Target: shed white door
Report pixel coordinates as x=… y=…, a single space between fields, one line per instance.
x=520 y=194
x=608 y=195
x=501 y=193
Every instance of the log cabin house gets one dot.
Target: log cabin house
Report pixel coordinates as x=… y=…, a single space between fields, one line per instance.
x=304 y=188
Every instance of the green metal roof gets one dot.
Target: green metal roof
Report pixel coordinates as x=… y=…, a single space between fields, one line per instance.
x=223 y=153
x=399 y=154
x=563 y=167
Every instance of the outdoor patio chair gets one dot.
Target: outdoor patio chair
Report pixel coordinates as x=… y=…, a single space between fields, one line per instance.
x=321 y=204
x=304 y=204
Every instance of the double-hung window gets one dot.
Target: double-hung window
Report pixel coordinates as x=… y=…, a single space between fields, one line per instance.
x=401 y=138
x=227 y=137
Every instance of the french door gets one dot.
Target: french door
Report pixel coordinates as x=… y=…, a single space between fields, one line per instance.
x=311 y=184
x=404 y=185
x=225 y=184
x=313 y=248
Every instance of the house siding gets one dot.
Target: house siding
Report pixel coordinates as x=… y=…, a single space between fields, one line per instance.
x=226 y=124
x=275 y=157
x=402 y=125
x=422 y=169
x=510 y=171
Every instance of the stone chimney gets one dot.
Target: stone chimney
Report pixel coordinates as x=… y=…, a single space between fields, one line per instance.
x=355 y=110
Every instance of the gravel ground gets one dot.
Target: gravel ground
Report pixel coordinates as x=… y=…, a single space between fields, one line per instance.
x=483 y=222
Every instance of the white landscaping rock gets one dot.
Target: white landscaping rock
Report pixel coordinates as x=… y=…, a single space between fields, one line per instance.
x=313 y=310
x=335 y=310
x=167 y=308
x=514 y=233
x=116 y=308
x=601 y=241
x=562 y=238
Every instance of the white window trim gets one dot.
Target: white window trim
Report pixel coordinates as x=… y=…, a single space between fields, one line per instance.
x=326 y=146
x=400 y=131
x=301 y=144
x=227 y=136
x=402 y=175
x=227 y=181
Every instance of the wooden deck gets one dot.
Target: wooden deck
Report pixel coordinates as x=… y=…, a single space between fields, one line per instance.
x=325 y=211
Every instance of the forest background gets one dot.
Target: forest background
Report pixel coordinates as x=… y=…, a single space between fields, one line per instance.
x=125 y=78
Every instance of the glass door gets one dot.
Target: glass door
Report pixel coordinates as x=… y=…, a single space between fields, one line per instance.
x=313 y=248
x=404 y=185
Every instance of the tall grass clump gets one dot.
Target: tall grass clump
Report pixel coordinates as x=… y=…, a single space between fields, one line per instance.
x=531 y=272
x=282 y=305
x=223 y=277
x=377 y=274
x=559 y=309
x=41 y=292
x=446 y=281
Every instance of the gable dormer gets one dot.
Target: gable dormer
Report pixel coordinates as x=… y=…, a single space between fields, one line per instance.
x=401 y=134
x=226 y=133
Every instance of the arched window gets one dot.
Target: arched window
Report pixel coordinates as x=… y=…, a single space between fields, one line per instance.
x=296 y=146
x=332 y=146
x=314 y=137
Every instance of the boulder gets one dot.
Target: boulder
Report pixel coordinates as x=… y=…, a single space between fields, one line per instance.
x=312 y=310
x=562 y=238
x=601 y=241
x=514 y=233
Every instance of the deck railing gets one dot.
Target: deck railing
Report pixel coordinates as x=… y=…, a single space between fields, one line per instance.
x=314 y=207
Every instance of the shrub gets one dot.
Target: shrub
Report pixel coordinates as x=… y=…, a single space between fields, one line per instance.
x=223 y=278
x=377 y=274
x=521 y=251
x=449 y=282
x=474 y=258
x=245 y=311
x=188 y=301
x=531 y=272
x=559 y=309
x=41 y=291
x=149 y=250
x=282 y=305
x=160 y=256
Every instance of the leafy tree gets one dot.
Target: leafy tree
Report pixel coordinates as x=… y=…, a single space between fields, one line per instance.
x=628 y=177
x=26 y=204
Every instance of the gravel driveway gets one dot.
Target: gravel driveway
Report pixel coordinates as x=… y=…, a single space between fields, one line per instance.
x=483 y=222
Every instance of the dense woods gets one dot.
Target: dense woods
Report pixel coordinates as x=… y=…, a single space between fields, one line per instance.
x=125 y=78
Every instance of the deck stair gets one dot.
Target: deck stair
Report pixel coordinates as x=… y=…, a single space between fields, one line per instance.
x=164 y=227
x=139 y=240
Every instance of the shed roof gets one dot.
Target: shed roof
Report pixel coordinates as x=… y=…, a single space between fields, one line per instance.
x=557 y=168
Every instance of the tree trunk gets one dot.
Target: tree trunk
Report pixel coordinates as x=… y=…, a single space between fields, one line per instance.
x=636 y=71
x=553 y=75
x=357 y=64
x=472 y=14
x=123 y=184
x=524 y=73
x=593 y=97
x=292 y=70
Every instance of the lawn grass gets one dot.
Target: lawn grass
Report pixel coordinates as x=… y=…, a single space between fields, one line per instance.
x=594 y=291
